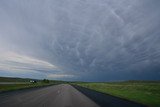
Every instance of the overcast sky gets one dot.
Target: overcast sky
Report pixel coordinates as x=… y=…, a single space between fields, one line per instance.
x=89 y=40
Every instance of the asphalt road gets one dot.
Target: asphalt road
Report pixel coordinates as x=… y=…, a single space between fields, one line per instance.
x=60 y=96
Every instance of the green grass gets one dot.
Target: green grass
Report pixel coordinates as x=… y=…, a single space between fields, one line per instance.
x=13 y=83
x=11 y=87
x=147 y=93
x=14 y=79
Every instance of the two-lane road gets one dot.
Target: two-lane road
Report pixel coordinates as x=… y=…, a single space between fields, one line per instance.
x=63 y=95
x=54 y=96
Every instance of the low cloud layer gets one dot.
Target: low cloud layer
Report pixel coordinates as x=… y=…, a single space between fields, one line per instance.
x=88 y=40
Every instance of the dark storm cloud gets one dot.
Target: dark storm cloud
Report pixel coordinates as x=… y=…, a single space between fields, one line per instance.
x=85 y=39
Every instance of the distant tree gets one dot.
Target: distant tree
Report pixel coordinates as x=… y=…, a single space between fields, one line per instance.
x=45 y=81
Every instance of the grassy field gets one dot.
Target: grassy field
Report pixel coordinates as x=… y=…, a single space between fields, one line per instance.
x=10 y=84
x=144 y=92
x=11 y=87
x=11 y=79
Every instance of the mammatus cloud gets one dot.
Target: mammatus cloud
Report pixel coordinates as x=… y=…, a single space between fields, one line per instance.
x=81 y=39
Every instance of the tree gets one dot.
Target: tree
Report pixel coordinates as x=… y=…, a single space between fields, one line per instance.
x=45 y=81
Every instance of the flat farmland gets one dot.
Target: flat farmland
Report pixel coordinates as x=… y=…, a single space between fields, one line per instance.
x=144 y=92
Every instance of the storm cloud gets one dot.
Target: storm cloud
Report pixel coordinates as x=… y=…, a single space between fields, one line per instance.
x=89 y=40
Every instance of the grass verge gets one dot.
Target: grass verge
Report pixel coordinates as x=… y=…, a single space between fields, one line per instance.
x=147 y=93
x=11 y=87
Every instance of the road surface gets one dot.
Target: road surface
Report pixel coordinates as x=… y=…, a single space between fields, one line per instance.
x=63 y=95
